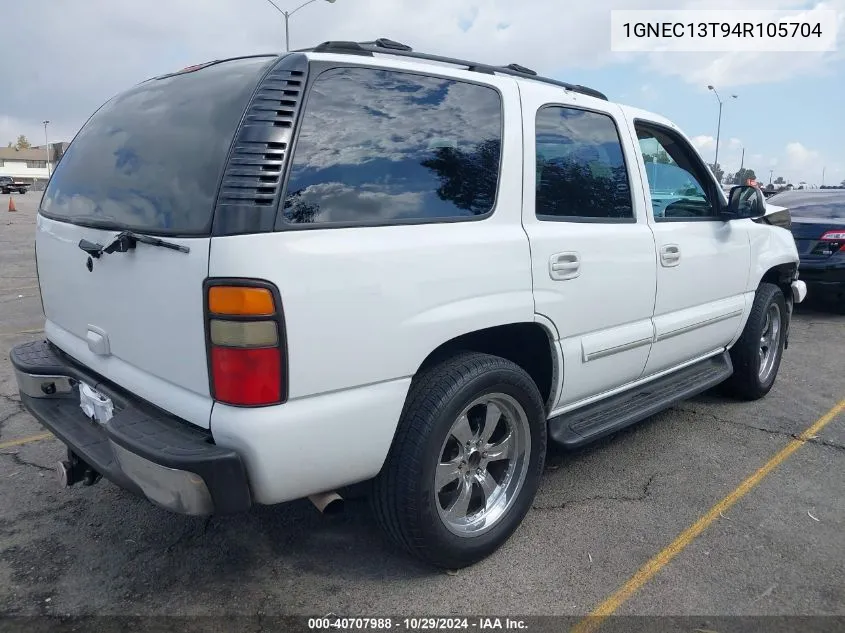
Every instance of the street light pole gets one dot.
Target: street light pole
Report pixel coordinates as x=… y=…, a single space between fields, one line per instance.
x=47 y=147
x=719 y=125
x=287 y=15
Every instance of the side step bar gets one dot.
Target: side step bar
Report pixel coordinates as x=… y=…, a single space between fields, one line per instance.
x=589 y=423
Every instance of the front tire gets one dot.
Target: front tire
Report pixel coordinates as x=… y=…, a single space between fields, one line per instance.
x=466 y=461
x=757 y=354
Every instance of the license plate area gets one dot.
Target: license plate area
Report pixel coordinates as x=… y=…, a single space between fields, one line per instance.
x=97 y=406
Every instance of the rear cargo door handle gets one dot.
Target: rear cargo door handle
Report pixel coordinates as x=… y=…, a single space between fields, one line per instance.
x=670 y=255
x=564 y=266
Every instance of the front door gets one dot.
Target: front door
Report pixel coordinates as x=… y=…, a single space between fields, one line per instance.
x=703 y=261
x=593 y=254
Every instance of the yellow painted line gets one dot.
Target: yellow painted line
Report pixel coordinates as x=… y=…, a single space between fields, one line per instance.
x=607 y=608
x=26 y=440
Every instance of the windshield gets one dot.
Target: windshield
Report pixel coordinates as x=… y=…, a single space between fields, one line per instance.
x=150 y=159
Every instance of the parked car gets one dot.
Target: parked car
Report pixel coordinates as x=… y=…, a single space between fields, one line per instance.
x=818 y=225
x=291 y=274
x=11 y=185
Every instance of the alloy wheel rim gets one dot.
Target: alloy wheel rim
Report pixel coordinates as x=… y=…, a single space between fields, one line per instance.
x=482 y=464
x=769 y=342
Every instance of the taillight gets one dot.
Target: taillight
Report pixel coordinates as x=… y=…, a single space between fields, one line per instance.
x=245 y=333
x=837 y=238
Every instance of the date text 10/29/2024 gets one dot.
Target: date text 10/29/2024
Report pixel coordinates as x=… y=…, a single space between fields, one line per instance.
x=331 y=623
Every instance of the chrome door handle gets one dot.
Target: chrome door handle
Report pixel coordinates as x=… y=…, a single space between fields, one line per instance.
x=564 y=266
x=670 y=255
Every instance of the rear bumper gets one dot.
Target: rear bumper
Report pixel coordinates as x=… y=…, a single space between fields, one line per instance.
x=824 y=271
x=170 y=462
x=824 y=277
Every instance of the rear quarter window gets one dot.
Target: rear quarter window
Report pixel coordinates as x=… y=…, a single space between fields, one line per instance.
x=384 y=147
x=151 y=159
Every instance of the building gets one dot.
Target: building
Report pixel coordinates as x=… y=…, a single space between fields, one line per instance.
x=30 y=165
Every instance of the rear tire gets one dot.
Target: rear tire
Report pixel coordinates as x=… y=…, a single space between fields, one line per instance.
x=757 y=354
x=466 y=461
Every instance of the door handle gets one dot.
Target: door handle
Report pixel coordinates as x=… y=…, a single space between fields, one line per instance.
x=564 y=266
x=670 y=255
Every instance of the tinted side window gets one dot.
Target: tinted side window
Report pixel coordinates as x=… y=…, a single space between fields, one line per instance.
x=581 y=170
x=380 y=146
x=679 y=189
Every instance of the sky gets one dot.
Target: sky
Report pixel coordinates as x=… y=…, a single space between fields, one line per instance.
x=64 y=58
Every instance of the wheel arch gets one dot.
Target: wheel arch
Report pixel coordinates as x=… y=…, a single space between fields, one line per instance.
x=781 y=275
x=531 y=345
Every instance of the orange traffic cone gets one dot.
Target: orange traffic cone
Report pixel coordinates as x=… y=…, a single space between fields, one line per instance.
x=11 y=204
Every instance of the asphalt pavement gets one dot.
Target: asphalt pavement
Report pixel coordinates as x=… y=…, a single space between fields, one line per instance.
x=602 y=514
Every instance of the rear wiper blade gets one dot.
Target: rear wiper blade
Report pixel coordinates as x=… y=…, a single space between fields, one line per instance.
x=125 y=241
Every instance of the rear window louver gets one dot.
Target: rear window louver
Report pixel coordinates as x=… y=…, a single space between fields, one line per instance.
x=252 y=181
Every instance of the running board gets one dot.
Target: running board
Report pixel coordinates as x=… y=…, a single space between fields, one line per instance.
x=589 y=423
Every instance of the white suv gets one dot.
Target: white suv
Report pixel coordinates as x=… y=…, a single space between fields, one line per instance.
x=273 y=277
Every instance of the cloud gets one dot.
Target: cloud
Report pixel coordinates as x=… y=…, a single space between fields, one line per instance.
x=78 y=54
x=795 y=162
x=703 y=142
x=801 y=163
x=798 y=155
x=649 y=93
x=731 y=69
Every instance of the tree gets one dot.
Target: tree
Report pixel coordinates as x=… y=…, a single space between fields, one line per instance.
x=780 y=181
x=9 y=145
x=660 y=156
x=467 y=177
x=717 y=170
x=744 y=174
x=842 y=184
x=729 y=179
x=23 y=143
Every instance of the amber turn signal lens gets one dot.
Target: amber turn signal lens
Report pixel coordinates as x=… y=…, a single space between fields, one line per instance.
x=241 y=301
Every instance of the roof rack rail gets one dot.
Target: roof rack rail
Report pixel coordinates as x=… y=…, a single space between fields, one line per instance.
x=383 y=42
x=390 y=47
x=521 y=69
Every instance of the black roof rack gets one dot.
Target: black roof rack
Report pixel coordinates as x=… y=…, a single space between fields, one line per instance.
x=390 y=47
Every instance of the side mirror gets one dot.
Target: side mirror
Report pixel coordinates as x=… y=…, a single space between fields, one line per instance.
x=744 y=202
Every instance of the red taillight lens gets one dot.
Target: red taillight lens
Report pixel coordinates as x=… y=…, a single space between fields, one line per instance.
x=247 y=377
x=245 y=343
x=837 y=237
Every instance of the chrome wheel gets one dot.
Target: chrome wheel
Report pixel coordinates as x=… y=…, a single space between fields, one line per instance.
x=482 y=464
x=769 y=342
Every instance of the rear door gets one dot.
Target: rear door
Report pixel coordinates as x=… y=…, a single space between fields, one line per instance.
x=592 y=250
x=149 y=161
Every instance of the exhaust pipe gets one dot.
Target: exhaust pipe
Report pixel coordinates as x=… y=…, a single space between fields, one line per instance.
x=327 y=502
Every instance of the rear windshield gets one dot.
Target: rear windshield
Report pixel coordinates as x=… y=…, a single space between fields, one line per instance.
x=150 y=159
x=823 y=205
